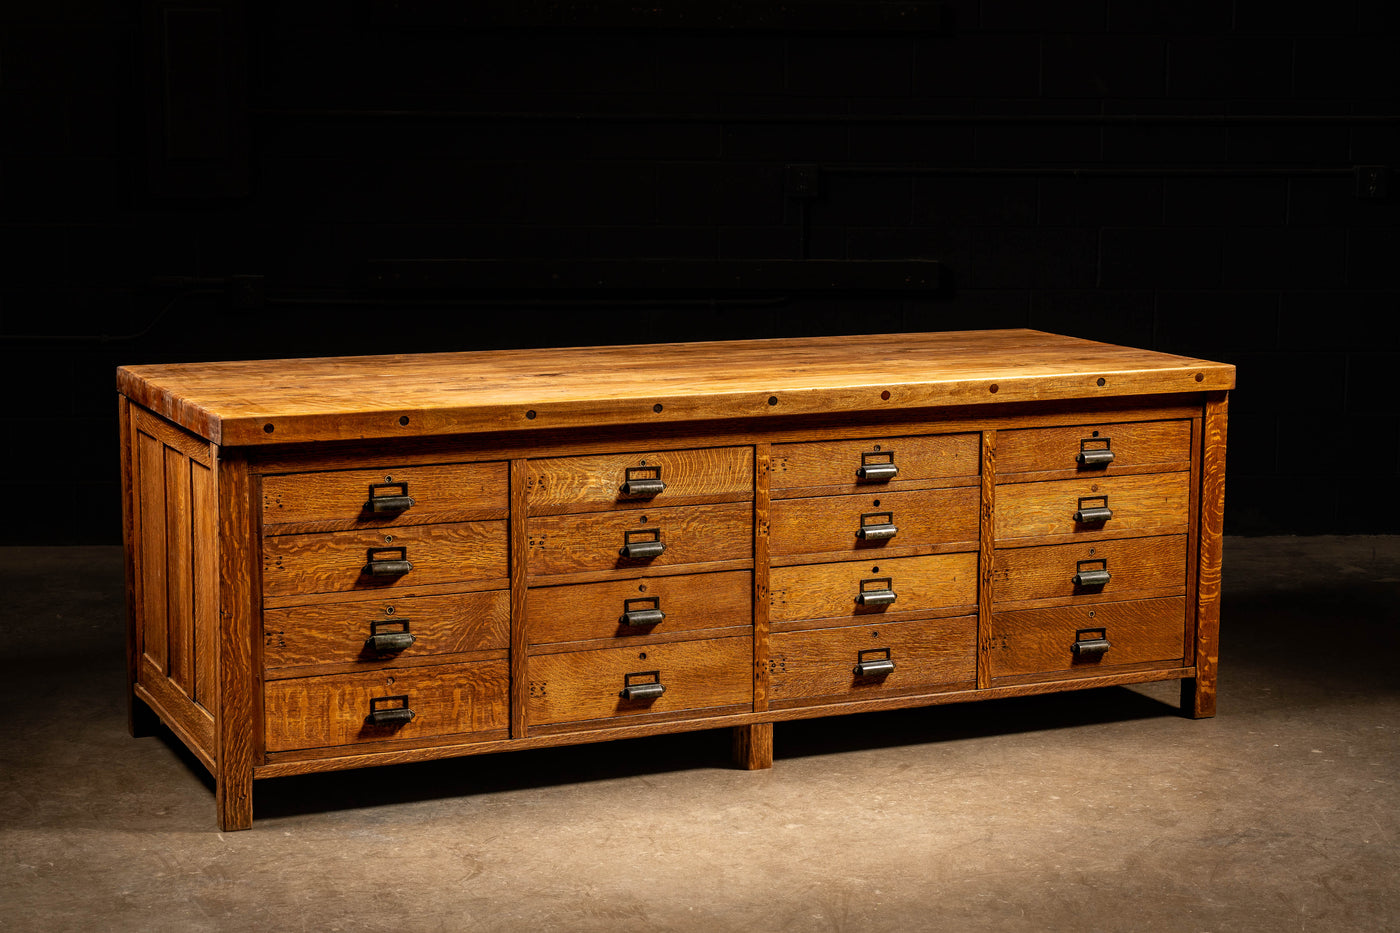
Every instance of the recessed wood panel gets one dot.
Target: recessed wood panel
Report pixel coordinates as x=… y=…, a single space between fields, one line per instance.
x=1150 y=504
x=594 y=610
x=1038 y=641
x=823 y=662
x=1138 y=568
x=343 y=498
x=593 y=541
x=836 y=463
x=830 y=524
x=920 y=584
x=579 y=484
x=337 y=561
x=314 y=712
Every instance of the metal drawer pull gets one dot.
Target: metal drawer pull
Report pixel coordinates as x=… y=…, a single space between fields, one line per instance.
x=648 y=690
x=644 y=549
x=878 y=664
x=1094 y=456
x=399 y=503
x=386 y=642
x=1092 y=647
x=1091 y=576
x=876 y=530
x=880 y=470
x=643 y=487
x=881 y=593
x=388 y=567
x=389 y=715
x=650 y=615
x=1092 y=514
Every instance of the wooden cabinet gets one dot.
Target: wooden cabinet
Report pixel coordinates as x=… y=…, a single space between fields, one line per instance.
x=479 y=552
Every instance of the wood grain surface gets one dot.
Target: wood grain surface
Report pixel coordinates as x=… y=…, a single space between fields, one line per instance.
x=821 y=663
x=583 y=484
x=335 y=561
x=335 y=633
x=348 y=398
x=586 y=685
x=1198 y=693
x=593 y=610
x=1147 y=504
x=337 y=499
x=1139 y=568
x=692 y=534
x=834 y=463
x=313 y=712
x=1138 y=447
x=828 y=524
x=1039 y=640
x=826 y=591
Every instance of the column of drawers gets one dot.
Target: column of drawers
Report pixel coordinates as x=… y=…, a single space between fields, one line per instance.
x=1090 y=566
x=640 y=597
x=873 y=580
x=386 y=605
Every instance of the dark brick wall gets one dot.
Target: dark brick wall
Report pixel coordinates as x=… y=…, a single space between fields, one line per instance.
x=1170 y=175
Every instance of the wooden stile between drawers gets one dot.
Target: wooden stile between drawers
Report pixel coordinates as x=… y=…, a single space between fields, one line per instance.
x=480 y=552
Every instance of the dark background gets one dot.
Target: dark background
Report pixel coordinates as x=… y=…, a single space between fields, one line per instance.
x=194 y=181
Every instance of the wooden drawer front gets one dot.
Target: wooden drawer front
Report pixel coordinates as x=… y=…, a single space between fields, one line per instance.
x=1153 y=504
x=595 y=610
x=828 y=524
x=338 y=633
x=581 y=484
x=691 y=534
x=827 y=591
x=447 y=492
x=336 y=561
x=1140 y=447
x=1042 y=641
x=580 y=685
x=1137 y=567
x=835 y=463
x=447 y=699
x=822 y=663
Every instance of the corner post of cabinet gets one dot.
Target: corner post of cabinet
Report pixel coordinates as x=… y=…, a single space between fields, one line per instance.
x=235 y=712
x=140 y=721
x=985 y=555
x=1198 y=693
x=753 y=744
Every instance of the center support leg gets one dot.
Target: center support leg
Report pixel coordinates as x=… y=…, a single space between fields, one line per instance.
x=753 y=746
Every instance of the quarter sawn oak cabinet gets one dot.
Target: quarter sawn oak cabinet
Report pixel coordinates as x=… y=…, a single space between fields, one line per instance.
x=335 y=563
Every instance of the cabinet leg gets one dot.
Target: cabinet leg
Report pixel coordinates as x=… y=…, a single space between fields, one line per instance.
x=234 y=796
x=1198 y=697
x=753 y=746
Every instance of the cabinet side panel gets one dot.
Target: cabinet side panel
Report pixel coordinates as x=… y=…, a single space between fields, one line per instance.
x=205 y=514
x=150 y=497
x=179 y=575
x=1198 y=694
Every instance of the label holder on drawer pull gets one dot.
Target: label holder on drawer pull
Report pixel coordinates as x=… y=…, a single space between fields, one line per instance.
x=637 y=486
x=881 y=528
x=877 y=466
x=387 y=642
x=876 y=592
x=379 y=504
x=382 y=714
x=1092 y=647
x=1090 y=577
x=873 y=662
x=377 y=566
x=647 y=546
x=1095 y=456
x=646 y=690
x=1092 y=514
x=647 y=611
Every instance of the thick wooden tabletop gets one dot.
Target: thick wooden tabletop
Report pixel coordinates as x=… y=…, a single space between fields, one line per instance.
x=346 y=398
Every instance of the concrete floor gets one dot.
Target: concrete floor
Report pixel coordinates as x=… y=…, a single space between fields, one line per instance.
x=1102 y=810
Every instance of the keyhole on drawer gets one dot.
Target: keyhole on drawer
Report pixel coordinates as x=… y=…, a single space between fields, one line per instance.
x=642 y=588
x=388 y=479
x=877 y=446
x=1091 y=550
x=643 y=463
x=1091 y=613
x=1094 y=488
x=388 y=681
x=388 y=539
x=874 y=569
x=642 y=656
x=644 y=519
x=1095 y=434
x=877 y=502
x=874 y=634
x=388 y=610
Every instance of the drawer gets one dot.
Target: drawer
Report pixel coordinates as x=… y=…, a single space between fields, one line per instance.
x=1151 y=504
x=831 y=524
x=346 y=709
x=1137 y=447
x=402 y=628
x=693 y=675
x=637 y=480
x=596 y=610
x=410 y=495
x=688 y=534
x=859 y=588
x=1137 y=568
x=345 y=560
x=838 y=463
x=1081 y=640
x=861 y=661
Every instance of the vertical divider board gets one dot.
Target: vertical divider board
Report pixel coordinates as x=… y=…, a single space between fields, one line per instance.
x=985 y=555
x=1193 y=543
x=236 y=718
x=761 y=598
x=519 y=658
x=1198 y=693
